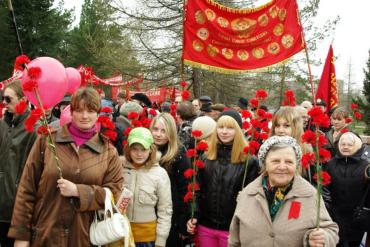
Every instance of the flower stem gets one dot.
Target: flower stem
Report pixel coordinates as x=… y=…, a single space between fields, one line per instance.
x=245 y=171
x=318 y=172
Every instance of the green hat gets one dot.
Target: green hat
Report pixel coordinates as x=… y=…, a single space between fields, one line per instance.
x=142 y=136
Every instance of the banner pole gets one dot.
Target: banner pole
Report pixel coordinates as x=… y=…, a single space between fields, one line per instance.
x=12 y=15
x=183 y=32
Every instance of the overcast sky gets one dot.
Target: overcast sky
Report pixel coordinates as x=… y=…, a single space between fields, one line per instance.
x=351 y=38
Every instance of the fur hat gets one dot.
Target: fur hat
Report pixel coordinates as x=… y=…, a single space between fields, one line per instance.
x=274 y=140
x=142 y=98
x=234 y=114
x=130 y=107
x=205 y=124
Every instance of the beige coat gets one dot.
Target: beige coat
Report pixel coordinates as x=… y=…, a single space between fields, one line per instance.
x=151 y=199
x=252 y=227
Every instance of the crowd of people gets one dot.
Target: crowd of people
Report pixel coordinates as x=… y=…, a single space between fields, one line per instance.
x=266 y=199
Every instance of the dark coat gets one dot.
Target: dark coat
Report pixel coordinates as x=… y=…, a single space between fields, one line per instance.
x=221 y=182
x=346 y=190
x=46 y=218
x=16 y=144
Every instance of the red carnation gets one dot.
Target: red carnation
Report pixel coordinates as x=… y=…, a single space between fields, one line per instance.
x=354 y=106
x=308 y=159
x=192 y=186
x=20 y=60
x=324 y=154
x=263 y=136
x=42 y=130
x=191 y=153
x=36 y=113
x=255 y=123
x=106 y=122
x=183 y=84
x=254 y=146
x=348 y=120
x=246 y=125
x=246 y=114
x=268 y=115
x=124 y=143
x=325 y=178
x=188 y=196
x=146 y=122
x=357 y=115
x=127 y=131
x=30 y=85
x=189 y=173
x=111 y=134
x=261 y=113
x=29 y=124
x=202 y=146
x=185 y=95
x=261 y=94
x=152 y=112
x=196 y=133
x=132 y=115
x=253 y=103
x=173 y=107
x=345 y=130
x=309 y=137
x=34 y=72
x=136 y=123
x=21 y=107
x=199 y=163
x=106 y=110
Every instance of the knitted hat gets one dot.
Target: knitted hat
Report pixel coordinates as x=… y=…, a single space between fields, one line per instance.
x=130 y=107
x=274 y=140
x=205 y=124
x=142 y=136
x=234 y=114
x=243 y=103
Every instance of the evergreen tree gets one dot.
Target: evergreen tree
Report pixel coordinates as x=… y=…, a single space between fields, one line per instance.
x=365 y=104
x=42 y=28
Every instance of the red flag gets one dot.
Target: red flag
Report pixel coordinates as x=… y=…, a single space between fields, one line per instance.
x=230 y=40
x=327 y=89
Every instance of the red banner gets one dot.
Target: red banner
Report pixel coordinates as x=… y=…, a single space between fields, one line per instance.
x=158 y=95
x=230 y=40
x=327 y=89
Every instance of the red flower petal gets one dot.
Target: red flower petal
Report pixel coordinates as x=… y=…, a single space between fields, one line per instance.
x=20 y=60
x=106 y=110
x=136 y=123
x=127 y=131
x=152 y=112
x=132 y=115
x=196 y=133
x=357 y=115
x=325 y=178
x=42 y=130
x=253 y=103
x=195 y=186
x=325 y=155
x=308 y=159
x=261 y=94
x=185 y=95
x=202 y=146
x=34 y=72
x=191 y=153
x=199 y=163
x=354 y=106
x=21 y=107
x=183 y=84
x=111 y=134
x=189 y=173
x=246 y=125
x=30 y=85
x=348 y=120
x=246 y=114
x=188 y=196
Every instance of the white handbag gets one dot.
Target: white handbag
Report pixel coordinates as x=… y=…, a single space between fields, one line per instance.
x=112 y=228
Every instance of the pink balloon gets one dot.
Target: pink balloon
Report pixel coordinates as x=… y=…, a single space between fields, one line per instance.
x=65 y=116
x=52 y=83
x=74 y=79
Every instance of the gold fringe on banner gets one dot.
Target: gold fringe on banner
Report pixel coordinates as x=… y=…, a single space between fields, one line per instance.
x=240 y=11
x=233 y=71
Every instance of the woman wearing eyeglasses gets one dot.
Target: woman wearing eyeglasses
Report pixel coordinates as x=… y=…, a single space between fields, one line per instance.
x=16 y=143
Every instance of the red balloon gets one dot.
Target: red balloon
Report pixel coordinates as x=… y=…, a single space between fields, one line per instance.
x=52 y=83
x=74 y=79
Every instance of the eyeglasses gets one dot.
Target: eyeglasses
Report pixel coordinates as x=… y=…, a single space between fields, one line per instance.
x=7 y=99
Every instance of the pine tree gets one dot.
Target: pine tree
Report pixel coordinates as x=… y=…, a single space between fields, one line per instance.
x=365 y=104
x=42 y=28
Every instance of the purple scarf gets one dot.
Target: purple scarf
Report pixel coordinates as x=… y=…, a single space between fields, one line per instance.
x=81 y=136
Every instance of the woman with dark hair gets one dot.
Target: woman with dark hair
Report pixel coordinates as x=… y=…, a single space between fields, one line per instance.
x=175 y=161
x=338 y=123
x=222 y=180
x=57 y=211
x=15 y=146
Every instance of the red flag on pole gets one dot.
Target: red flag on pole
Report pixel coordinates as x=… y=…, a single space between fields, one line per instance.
x=230 y=40
x=327 y=89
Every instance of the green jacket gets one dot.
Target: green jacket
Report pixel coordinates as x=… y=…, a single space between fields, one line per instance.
x=15 y=144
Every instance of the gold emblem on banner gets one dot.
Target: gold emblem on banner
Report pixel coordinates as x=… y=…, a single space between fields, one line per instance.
x=278 y=29
x=274 y=10
x=243 y=26
x=242 y=55
x=287 y=40
x=203 y=33
x=282 y=14
x=227 y=53
x=273 y=48
x=198 y=45
x=212 y=50
x=263 y=20
x=258 y=53
x=222 y=22
x=200 y=17
x=211 y=15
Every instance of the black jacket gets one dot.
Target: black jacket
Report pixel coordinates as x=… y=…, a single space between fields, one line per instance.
x=347 y=188
x=179 y=185
x=220 y=184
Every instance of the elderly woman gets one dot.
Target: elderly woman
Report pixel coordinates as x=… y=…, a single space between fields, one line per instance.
x=347 y=187
x=54 y=211
x=279 y=207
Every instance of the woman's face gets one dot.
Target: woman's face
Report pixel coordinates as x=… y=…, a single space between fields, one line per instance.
x=347 y=146
x=338 y=123
x=139 y=154
x=84 y=118
x=159 y=134
x=10 y=95
x=283 y=128
x=281 y=166
x=226 y=134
